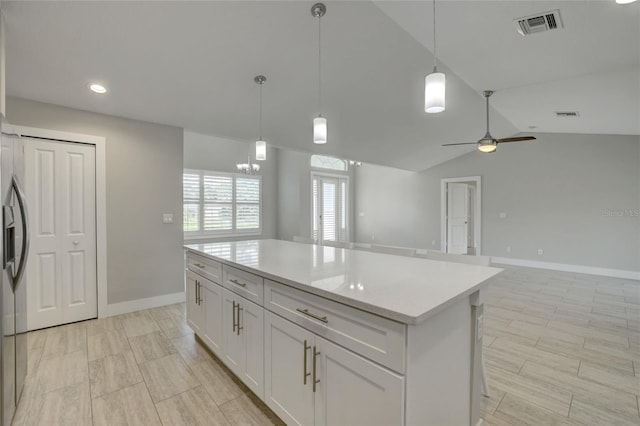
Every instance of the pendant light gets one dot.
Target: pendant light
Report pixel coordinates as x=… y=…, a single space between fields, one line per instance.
x=261 y=145
x=434 y=83
x=319 y=123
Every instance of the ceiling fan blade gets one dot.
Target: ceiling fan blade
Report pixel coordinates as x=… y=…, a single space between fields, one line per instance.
x=464 y=143
x=517 y=139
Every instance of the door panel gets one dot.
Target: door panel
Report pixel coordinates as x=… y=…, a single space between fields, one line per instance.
x=347 y=380
x=329 y=208
x=233 y=343
x=286 y=392
x=60 y=189
x=212 y=305
x=457 y=218
x=252 y=332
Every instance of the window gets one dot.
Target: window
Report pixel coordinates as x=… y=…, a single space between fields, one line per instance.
x=220 y=203
x=330 y=163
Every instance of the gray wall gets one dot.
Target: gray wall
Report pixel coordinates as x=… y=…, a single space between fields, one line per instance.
x=559 y=194
x=144 y=180
x=204 y=152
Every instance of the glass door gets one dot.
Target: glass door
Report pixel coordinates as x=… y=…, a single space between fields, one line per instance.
x=329 y=209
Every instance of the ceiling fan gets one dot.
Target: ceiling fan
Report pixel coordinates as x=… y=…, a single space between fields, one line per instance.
x=488 y=143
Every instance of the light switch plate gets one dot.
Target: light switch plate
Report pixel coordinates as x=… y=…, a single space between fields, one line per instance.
x=167 y=218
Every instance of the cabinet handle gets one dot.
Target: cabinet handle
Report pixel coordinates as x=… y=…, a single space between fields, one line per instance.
x=304 y=364
x=199 y=265
x=315 y=358
x=236 y=282
x=238 y=328
x=314 y=316
x=196 y=292
x=233 y=316
x=199 y=293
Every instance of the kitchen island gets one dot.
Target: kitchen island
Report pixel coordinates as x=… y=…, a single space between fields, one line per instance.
x=331 y=336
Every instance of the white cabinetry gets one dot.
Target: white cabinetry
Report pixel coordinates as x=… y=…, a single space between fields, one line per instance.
x=212 y=315
x=309 y=380
x=243 y=347
x=194 y=308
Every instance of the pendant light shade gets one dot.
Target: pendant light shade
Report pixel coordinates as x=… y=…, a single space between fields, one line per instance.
x=261 y=150
x=319 y=123
x=319 y=130
x=434 y=92
x=434 y=83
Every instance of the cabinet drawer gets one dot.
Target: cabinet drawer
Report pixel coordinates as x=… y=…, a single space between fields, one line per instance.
x=205 y=267
x=371 y=336
x=243 y=283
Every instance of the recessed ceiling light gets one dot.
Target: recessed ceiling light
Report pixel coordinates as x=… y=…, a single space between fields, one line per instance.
x=624 y=1
x=98 y=88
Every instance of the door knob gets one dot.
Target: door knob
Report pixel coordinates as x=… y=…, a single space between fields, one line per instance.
x=76 y=242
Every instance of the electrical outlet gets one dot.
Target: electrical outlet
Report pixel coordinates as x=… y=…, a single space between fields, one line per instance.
x=373 y=237
x=503 y=215
x=508 y=249
x=167 y=218
x=361 y=214
x=433 y=242
x=540 y=252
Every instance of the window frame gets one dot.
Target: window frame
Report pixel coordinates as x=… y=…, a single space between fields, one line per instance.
x=233 y=232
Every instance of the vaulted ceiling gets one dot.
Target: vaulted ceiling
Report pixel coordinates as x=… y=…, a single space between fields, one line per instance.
x=191 y=64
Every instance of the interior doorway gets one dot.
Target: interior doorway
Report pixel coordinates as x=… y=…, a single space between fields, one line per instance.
x=461 y=215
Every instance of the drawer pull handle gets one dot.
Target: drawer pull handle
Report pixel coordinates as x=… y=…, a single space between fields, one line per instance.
x=304 y=364
x=314 y=316
x=236 y=282
x=315 y=358
x=199 y=265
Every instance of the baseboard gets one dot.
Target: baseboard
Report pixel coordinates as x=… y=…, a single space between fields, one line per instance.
x=591 y=270
x=141 y=304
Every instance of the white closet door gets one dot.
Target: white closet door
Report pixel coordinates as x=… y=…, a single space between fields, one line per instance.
x=61 y=270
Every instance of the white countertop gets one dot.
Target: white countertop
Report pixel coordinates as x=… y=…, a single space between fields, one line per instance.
x=404 y=289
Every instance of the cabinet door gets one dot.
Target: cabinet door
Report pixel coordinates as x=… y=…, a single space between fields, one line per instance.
x=288 y=390
x=212 y=324
x=233 y=347
x=251 y=321
x=355 y=391
x=194 y=309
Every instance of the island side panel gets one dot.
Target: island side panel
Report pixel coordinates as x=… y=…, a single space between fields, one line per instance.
x=439 y=374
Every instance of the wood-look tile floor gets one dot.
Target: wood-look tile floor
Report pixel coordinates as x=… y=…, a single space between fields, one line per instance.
x=143 y=368
x=560 y=349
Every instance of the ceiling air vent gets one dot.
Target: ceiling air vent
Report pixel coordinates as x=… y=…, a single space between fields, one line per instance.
x=567 y=113
x=539 y=23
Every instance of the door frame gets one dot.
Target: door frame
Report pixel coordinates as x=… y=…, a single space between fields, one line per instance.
x=101 y=195
x=477 y=219
x=329 y=175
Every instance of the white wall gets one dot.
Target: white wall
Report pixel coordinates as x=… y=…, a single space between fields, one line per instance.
x=556 y=191
x=204 y=152
x=144 y=175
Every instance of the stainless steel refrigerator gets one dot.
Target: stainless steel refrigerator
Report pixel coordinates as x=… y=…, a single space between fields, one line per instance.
x=13 y=298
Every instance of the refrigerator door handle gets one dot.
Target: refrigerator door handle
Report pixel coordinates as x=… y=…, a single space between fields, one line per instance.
x=24 y=216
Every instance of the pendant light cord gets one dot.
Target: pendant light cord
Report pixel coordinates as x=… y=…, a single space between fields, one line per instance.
x=435 y=55
x=260 y=129
x=319 y=65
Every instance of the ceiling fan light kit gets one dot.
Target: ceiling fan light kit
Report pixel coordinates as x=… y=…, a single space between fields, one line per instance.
x=488 y=143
